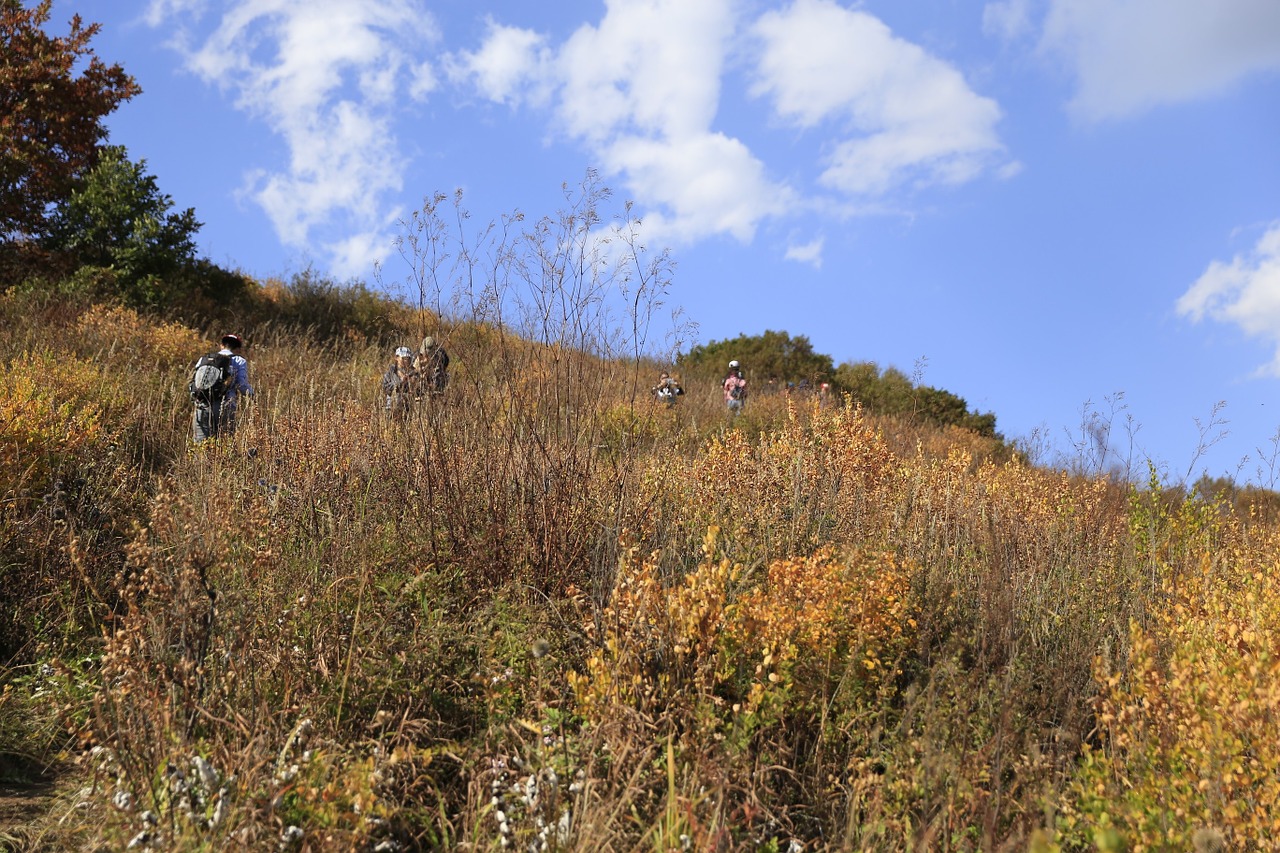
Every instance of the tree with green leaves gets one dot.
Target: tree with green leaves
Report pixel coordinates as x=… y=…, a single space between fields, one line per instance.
x=118 y=220
x=892 y=392
x=54 y=94
x=773 y=355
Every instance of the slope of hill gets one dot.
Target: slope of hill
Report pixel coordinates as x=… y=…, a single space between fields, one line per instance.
x=547 y=613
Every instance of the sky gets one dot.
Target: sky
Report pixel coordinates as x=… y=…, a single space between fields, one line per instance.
x=1064 y=211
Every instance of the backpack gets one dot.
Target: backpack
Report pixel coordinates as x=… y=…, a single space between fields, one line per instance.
x=210 y=378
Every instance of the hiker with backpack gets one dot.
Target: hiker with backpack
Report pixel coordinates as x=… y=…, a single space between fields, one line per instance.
x=432 y=364
x=217 y=382
x=735 y=388
x=667 y=389
x=401 y=383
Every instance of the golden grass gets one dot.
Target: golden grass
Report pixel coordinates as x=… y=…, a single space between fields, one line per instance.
x=546 y=613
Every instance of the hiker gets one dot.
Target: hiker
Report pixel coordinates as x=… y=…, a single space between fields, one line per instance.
x=667 y=389
x=217 y=382
x=432 y=364
x=401 y=383
x=735 y=388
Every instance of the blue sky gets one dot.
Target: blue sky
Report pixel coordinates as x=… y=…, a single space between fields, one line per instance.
x=1048 y=207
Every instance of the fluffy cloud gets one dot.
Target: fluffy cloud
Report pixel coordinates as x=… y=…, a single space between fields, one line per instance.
x=324 y=75
x=913 y=118
x=1131 y=55
x=510 y=66
x=807 y=253
x=640 y=90
x=1244 y=293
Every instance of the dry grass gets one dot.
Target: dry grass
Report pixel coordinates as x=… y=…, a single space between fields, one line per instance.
x=544 y=613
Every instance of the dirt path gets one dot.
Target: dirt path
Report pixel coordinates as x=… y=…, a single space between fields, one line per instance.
x=23 y=805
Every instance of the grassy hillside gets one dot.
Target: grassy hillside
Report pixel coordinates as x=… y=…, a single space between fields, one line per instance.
x=547 y=614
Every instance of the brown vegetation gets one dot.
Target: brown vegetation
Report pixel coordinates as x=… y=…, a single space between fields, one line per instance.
x=547 y=613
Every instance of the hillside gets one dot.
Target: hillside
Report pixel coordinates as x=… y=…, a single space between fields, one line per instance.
x=545 y=613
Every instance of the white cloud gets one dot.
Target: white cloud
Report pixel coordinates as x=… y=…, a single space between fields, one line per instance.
x=641 y=90
x=324 y=75
x=807 y=253
x=1131 y=55
x=1243 y=293
x=510 y=65
x=158 y=11
x=915 y=120
x=710 y=183
x=651 y=66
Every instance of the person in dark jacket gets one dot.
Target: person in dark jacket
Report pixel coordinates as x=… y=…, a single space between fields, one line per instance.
x=401 y=383
x=432 y=364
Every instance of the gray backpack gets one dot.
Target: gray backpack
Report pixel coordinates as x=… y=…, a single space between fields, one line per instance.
x=210 y=379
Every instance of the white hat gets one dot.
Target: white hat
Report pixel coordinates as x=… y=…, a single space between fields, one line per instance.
x=403 y=352
x=733 y=363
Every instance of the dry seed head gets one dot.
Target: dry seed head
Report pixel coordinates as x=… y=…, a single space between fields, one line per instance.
x=1208 y=840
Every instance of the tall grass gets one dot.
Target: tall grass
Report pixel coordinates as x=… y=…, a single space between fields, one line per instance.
x=545 y=613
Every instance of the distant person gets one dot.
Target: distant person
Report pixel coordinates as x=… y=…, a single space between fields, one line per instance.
x=432 y=364
x=217 y=383
x=735 y=388
x=667 y=389
x=401 y=383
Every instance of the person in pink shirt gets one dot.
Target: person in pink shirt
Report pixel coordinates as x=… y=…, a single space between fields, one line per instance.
x=735 y=388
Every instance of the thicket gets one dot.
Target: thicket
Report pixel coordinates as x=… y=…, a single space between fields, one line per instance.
x=777 y=362
x=547 y=613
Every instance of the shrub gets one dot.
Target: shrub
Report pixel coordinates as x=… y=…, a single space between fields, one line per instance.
x=1189 y=724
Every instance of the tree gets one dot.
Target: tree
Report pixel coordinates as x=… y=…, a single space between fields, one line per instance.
x=891 y=392
x=50 y=116
x=773 y=355
x=119 y=220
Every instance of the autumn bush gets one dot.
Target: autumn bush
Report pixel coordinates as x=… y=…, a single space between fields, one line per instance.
x=1187 y=721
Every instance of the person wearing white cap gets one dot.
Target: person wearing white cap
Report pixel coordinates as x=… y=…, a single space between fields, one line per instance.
x=400 y=383
x=735 y=388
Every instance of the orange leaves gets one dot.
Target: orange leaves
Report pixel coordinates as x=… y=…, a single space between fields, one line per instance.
x=125 y=338
x=822 y=603
x=690 y=644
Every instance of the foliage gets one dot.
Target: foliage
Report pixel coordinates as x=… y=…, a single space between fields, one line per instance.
x=51 y=417
x=783 y=670
x=773 y=356
x=1189 y=722
x=544 y=612
x=117 y=219
x=54 y=94
x=327 y=310
x=892 y=392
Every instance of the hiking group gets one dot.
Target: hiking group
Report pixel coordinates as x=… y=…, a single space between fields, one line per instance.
x=220 y=378
x=410 y=377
